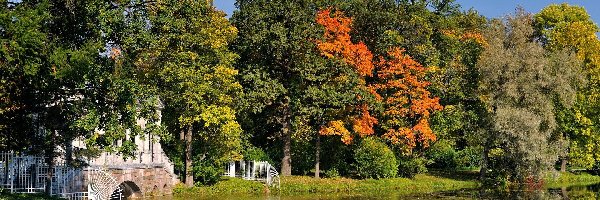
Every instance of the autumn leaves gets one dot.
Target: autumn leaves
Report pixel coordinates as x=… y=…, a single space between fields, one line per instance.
x=396 y=82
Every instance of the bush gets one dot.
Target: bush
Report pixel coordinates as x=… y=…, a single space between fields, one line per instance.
x=257 y=154
x=409 y=167
x=468 y=158
x=207 y=173
x=442 y=155
x=374 y=159
x=332 y=173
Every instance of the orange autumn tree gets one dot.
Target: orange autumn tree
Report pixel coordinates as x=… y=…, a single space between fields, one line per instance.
x=337 y=44
x=408 y=104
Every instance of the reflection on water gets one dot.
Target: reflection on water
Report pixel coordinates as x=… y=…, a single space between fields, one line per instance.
x=573 y=192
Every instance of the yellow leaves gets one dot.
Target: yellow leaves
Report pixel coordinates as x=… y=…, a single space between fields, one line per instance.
x=474 y=36
x=465 y=36
x=337 y=128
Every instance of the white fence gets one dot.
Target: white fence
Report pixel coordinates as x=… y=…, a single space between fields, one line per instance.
x=255 y=171
x=28 y=174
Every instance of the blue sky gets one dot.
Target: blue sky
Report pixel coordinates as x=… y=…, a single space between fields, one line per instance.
x=487 y=8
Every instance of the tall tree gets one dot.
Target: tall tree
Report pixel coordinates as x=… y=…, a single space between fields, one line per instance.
x=520 y=81
x=277 y=54
x=58 y=78
x=348 y=99
x=407 y=102
x=565 y=27
x=190 y=60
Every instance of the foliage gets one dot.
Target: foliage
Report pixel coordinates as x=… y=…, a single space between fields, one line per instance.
x=282 y=71
x=468 y=158
x=332 y=173
x=411 y=166
x=337 y=44
x=521 y=82
x=193 y=68
x=408 y=104
x=566 y=27
x=207 y=172
x=255 y=153
x=442 y=155
x=374 y=159
x=567 y=178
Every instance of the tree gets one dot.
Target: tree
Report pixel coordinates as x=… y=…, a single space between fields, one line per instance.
x=351 y=98
x=520 y=83
x=407 y=102
x=565 y=27
x=193 y=68
x=337 y=44
x=277 y=50
x=60 y=86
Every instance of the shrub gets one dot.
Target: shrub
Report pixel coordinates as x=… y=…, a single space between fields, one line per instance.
x=468 y=158
x=255 y=153
x=409 y=167
x=207 y=173
x=374 y=159
x=332 y=173
x=442 y=155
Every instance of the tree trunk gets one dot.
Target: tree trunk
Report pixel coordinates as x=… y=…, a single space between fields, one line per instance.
x=563 y=164
x=182 y=135
x=564 y=193
x=484 y=163
x=50 y=162
x=68 y=153
x=286 y=162
x=189 y=178
x=318 y=156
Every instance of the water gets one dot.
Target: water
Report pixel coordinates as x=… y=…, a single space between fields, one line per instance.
x=572 y=192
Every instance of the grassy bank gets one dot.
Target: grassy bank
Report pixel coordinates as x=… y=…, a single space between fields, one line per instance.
x=566 y=179
x=302 y=185
x=8 y=196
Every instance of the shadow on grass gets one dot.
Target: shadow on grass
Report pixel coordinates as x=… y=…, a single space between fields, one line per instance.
x=9 y=196
x=461 y=175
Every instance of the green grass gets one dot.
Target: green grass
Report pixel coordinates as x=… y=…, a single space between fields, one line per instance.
x=304 y=185
x=227 y=186
x=423 y=183
x=566 y=179
x=8 y=196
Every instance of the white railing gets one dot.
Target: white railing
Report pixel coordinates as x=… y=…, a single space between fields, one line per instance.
x=28 y=174
x=254 y=171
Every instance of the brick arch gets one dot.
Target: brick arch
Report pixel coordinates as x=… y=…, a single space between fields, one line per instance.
x=130 y=190
x=151 y=181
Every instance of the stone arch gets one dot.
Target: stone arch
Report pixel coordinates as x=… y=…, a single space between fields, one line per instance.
x=130 y=190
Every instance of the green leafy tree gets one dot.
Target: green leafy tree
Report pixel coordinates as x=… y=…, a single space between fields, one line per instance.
x=276 y=54
x=566 y=27
x=193 y=68
x=57 y=80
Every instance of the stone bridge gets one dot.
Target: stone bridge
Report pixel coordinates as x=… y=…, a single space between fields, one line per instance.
x=149 y=173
